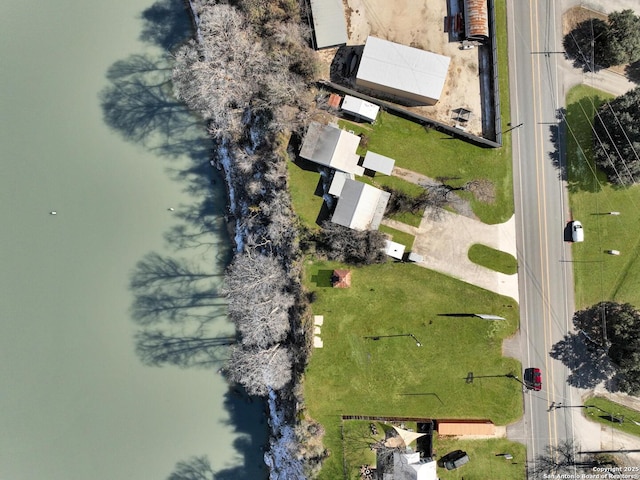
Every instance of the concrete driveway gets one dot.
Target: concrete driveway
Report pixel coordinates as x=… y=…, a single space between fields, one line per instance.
x=444 y=243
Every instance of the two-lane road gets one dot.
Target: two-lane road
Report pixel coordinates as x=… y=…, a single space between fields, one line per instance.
x=542 y=212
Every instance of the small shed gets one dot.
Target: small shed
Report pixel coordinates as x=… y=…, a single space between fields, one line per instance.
x=415 y=257
x=341 y=278
x=378 y=163
x=360 y=108
x=334 y=100
x=393 y=249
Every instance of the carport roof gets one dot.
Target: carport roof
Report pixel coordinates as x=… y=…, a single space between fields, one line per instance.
x=329 y=24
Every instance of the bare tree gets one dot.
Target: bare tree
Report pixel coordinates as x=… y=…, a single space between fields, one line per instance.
x=263 y=321
x=352 y=246
x=260 y=370
x=562 y=458
x=252 y=272
x=217 y=77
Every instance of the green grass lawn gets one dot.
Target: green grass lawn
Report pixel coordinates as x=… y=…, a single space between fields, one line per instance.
x=437 y=154
x=394 y=377
x=494 y=259
x=303 y=187
x=599 y=276
x=485 y=459
x=605 y=408
x=403 y=238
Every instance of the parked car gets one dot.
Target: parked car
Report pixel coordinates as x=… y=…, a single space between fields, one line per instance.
x=533 y=379
x=577 y=232
x=455 y=459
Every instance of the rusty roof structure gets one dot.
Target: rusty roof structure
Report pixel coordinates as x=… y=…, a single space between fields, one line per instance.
x=476 y=20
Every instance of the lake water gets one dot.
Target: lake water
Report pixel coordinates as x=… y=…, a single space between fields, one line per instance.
x=76 y=401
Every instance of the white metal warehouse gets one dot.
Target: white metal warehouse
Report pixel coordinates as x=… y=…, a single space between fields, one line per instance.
x=402 y=71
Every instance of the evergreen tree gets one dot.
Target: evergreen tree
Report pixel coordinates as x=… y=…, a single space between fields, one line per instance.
x=617 y=138
x=624 y=37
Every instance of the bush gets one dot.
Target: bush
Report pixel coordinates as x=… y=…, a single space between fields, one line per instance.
x=351 y=246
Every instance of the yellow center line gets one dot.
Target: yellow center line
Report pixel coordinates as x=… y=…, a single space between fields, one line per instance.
x=542 y=213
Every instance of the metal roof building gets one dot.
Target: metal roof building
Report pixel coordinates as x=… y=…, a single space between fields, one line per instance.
x=332 y=147
x=402 y=71
x=360 y=206
x=378 y=163
x=329 y=24
x=360 y=108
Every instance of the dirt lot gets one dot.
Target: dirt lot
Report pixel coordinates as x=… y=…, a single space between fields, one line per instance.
x=420 y=24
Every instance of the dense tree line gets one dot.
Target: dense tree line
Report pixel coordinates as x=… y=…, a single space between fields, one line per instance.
x=247 y=73
x=595 y=44
x=617 y=138
x=615 y=327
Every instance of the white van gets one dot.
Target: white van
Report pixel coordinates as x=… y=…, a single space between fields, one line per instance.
x=577 y=232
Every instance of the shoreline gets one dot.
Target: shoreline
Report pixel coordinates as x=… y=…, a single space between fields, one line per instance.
x=282 y=406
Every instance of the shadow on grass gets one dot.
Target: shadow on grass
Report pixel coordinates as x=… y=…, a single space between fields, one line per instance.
x=579 y=169
x=323 y=278
x=323 y=214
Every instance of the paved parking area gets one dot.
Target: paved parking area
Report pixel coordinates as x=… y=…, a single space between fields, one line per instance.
x=444 y=244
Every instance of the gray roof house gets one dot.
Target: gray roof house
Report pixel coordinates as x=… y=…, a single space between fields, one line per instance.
x=360 y=206
x=332 y=147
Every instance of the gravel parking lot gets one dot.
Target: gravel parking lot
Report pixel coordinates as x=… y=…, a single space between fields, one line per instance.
x=420 y=24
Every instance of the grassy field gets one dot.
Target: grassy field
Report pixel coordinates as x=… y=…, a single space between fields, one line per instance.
x=494 y=259
x=355 y=375
x=605 y=408
x=306 y=195
x=599 y=276
x=403 y=238
x=486 y=459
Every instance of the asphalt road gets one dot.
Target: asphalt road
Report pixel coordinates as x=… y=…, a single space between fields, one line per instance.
x=542 y=214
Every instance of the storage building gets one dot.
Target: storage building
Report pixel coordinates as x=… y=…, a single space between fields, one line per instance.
x=402 y=71
x=329 y=24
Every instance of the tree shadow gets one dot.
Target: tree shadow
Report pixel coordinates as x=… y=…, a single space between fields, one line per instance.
x=589 y=365
x=165 y=24
x=176 y=301
x=248 y=417
x=579 y=168
x=557 y=135
x=139 y=104
x=586 y=46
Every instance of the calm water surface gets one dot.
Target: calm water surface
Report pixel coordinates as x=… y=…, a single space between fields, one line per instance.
x=76 y=402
